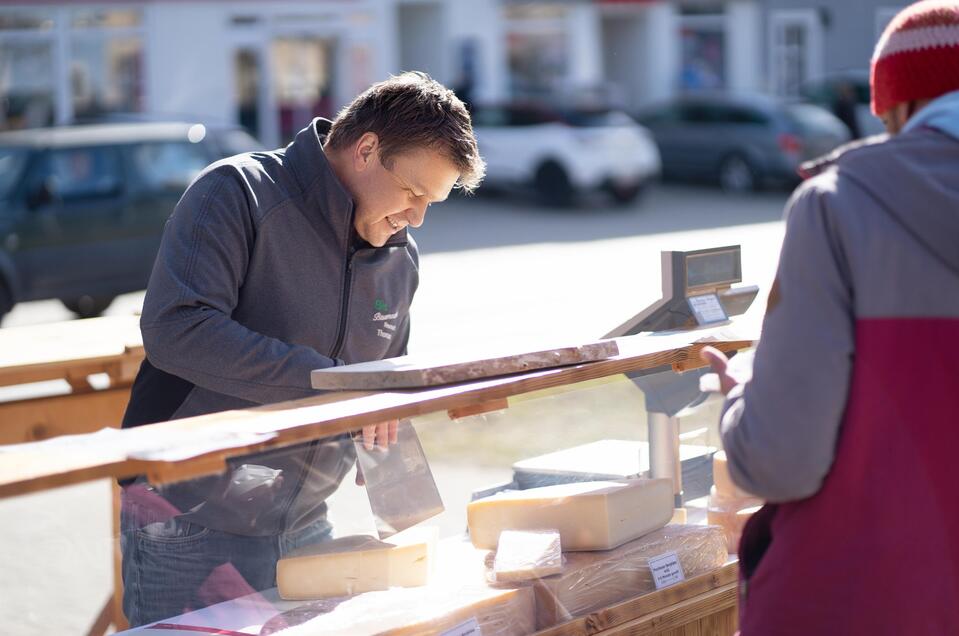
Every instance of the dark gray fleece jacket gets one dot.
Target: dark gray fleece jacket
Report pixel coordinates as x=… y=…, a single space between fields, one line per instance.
x=260 y=279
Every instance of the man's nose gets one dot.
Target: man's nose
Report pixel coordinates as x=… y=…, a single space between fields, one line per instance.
x=418 y=214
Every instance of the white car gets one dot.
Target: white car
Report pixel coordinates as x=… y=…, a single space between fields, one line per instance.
x=561 y=153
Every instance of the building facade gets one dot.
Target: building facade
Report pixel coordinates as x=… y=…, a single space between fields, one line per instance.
x=271 y=66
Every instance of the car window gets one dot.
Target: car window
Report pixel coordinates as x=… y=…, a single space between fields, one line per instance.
x=664 y=115
x=12 y=161
x=812 y=119
x=236 y=141
x=80 y=173
x=489 y=117
x=529 y=117
x=597 y=118
x=169 y=164
x=740 y=115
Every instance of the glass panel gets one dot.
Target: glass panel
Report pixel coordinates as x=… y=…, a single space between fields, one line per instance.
x=106 y=76
x=106 y=18
x=26 y=84
x=302 y=71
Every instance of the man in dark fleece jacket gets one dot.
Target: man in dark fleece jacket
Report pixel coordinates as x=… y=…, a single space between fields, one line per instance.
x=274 y=264
x=848 y=425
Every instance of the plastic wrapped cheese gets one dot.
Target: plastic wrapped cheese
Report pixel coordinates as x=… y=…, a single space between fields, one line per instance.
x=418 y=611
x=593 y=515
x=593 y=580
x=731 y=514
x=524 y=555
x=354 y=564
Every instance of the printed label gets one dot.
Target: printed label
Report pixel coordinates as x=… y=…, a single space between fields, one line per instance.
x=469 y=628
x=666 y=570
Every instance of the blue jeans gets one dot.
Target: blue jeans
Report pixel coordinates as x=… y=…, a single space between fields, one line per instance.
x=173 y=566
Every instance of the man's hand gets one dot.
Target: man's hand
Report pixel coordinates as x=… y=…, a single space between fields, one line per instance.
x=377 y=435
x=720 y=365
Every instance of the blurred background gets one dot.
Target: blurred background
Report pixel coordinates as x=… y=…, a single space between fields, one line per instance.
x=613 y=129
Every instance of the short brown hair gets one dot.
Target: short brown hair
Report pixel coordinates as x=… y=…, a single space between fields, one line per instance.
x=412 y=110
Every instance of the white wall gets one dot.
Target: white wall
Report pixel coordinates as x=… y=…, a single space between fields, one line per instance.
x=585 y=45
x=625 y=60
x=189 y=61
x=743 y=45
x=662 y=51
x=480 y=21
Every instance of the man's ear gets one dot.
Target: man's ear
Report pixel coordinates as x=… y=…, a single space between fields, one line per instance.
x=365 y=151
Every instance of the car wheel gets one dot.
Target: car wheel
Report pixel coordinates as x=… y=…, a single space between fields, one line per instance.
x=6 y=299
x=737 y=175
x=87 y=306
x=626 y=194
x=553 y=185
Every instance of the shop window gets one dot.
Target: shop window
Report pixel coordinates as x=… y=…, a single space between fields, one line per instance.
x=302 y=72
x=796 y=47
x=26 y=84
x=703 y=52
x=106 y=18
x=106 y=75
x=18 y=20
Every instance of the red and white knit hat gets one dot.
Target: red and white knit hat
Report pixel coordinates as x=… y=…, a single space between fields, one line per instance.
x=917 y=56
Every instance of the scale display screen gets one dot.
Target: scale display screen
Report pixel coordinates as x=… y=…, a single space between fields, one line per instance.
x=713 y=268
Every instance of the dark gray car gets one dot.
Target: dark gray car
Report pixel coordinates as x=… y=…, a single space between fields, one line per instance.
x=82 y=208
x=742 y=142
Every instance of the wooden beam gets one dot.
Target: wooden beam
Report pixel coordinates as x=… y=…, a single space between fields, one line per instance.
x=47 y=417
x=314 y=418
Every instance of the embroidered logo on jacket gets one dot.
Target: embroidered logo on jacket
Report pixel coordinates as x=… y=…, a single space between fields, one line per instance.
x=382 y=315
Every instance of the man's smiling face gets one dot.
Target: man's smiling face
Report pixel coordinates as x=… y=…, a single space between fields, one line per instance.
x=392 y=195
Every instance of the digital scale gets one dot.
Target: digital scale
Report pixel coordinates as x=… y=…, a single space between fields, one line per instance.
x=697 y=292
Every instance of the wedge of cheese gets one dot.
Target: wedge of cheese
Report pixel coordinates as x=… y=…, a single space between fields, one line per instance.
x=523 y=555
x=594 y=515
x=356 y=564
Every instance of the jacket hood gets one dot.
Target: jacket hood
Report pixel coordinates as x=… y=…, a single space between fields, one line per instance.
x=914 y=177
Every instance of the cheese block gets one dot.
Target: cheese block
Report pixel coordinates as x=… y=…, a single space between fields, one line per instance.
x=594 y=515
x=732 y=521
x=593 y=580
x=355 y=564
x=524 y=555
x=723 y=482
x=416 y=611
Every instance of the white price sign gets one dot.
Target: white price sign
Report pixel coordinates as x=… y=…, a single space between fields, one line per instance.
x=666 y=570
x=707 y=309
x=469 y=628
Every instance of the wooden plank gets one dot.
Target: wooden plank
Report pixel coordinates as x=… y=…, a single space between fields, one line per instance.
x=680 y=614
x=412 y=372
x=30 y=470
x=79 y=348
x=47 y=417
x=654 y=604
x=723 y=623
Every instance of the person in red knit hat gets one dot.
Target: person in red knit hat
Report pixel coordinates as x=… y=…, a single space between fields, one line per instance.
x=848 y=425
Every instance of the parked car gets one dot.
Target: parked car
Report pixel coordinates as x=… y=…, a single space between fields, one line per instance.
x=560 y=153
x=743 y=142
x=826 y=92
x=82 y=208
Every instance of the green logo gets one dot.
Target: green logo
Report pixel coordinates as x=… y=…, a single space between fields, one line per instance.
x=381 y=306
